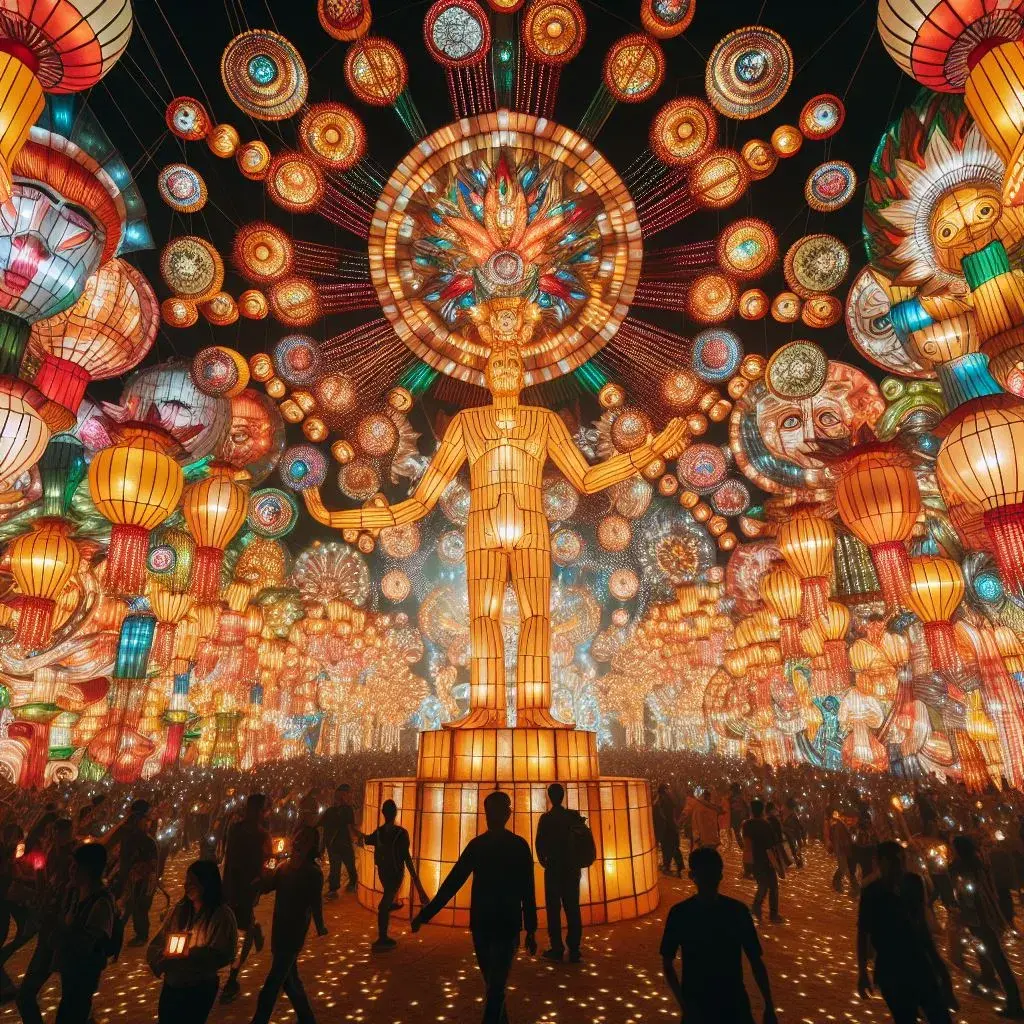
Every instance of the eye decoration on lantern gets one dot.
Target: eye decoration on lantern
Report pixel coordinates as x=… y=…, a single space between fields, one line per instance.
x=749 y=72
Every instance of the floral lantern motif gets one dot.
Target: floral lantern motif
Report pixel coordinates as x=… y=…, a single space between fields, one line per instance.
x=806 y=541
x=879 y=501
x=981 y=463
x=936 y=590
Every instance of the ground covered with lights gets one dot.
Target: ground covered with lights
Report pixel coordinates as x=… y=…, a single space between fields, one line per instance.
x=432 y=976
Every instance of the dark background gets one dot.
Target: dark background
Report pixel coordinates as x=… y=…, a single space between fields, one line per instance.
x=176 y=50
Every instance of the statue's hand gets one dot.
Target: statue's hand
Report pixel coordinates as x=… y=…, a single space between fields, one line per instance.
x=670 y=441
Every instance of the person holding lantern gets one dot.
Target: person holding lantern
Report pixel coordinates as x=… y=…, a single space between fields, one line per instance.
x=197 y=939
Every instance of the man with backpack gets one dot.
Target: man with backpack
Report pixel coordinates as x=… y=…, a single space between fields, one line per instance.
x=564 y=847
x=390 y=844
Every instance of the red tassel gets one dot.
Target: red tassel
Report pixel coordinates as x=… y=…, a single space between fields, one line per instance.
x=206 y=568
x=35 y=622
x=125 y=568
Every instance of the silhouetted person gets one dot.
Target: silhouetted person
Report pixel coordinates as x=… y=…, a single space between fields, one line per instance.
x=711 y=932
x=666 y=830
x=555 y=846
x=891 y=918
x=390 y=844
x=978 y=910
x=759 y=838
x=249 y=846
x=298 y=886
x=135 y=881
x=191 y=981
x=338 y=823
x=502 y=903
x=739 y=811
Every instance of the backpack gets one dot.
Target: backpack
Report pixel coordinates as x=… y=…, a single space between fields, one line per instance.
x=582 y=848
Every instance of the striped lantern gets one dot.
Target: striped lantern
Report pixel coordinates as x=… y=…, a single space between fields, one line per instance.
x=214 y=509
x=936 y=590
x=879 y=501
x=780 y=591
x=135 y=484
x=42 y=564
x=806 y=541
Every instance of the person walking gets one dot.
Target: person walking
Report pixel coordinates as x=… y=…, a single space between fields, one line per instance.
x=391 y=855
x=298 y=887
x=502 y=903
x=891 y=919
x=191 y=976
x=977 y=909
x=759 y=840
x=249 y=847
x=561 y=833
x=338 y=823
x=666 y=831
x=705 y=820
x=711 y=933
x=135 y=879
x=739 y=811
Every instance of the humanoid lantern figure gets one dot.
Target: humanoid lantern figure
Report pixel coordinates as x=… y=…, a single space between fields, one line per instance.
x=506 y=445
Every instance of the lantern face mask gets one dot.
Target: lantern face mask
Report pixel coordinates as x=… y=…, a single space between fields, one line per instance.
x=966 y=219
x=48 y=248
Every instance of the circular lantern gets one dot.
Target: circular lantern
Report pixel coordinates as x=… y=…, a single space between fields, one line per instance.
x=294 y=182
x=214 y=509
x=747 y=248
x=806 y=542
x=786 y=307
x=295 y=302
x=223 y=140
x=667 y=20
x=344 y=20
x=263 y=253
x=334 y=135
x=634 y=68
x=753 y=304
x=302 y=466
x=253 y=305
x=179 y=312
x=934 y=594
x=821 y=311
x=716 y=355
x=187 y=119
x=780 y=591
x=192 y=268
x=264 y=75
x=683 y=131
x=253 y=160
x=221 y=310
x=822 y=116
x=879 y=501
x=297 y=359
x=759 y=157
x=395 y=586
x=981 y=462
x=786 y=140
x=182 y=188
x=272 y=513
x=719 y=179
x=830 y=186
x=815 y=264
x=106 y=333
x=553 y=31
x=220 y=371
x=376 y=71
x=42 y=564
x=712 y=298
x=457 y=33
x=136 y=485
x=748 y=72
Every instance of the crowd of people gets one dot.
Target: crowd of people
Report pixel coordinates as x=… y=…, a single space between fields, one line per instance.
x=935 y=872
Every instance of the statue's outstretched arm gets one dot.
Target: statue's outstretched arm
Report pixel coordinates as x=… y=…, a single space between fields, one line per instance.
x=441 y=471
x=590 y=479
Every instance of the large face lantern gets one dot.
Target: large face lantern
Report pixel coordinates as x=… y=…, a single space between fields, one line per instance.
x=49 y=246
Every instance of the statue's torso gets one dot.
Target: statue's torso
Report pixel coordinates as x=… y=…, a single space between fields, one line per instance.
x=506 y=452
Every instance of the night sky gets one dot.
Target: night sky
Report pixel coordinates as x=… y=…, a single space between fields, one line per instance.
x=176 y=49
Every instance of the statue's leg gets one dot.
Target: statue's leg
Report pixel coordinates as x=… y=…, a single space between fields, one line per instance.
x=486 y=573
x=531 y=580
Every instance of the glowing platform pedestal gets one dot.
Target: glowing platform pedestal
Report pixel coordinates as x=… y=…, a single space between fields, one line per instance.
x=443 y=808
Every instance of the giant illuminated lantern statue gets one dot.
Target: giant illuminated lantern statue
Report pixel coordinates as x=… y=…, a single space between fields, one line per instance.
x=507 y=539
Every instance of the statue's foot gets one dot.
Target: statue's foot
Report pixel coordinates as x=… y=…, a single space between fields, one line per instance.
x=539 y=718
x=481 y=718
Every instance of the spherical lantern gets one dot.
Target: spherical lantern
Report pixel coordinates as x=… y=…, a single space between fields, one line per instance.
x=634 y=68
x=136 y=485
x=936 y=590
x=981 y=462
x=719 y=179
x=781 y=592
x=264 y=75
x=683 y=131
x=376 y=71
x=879 y=501
x=334 y=135
x=344 y=20
x=553 y=31
x=263 y=253
x=806 y=542
x=42 y=564
x=106 y=333
x=214 y=509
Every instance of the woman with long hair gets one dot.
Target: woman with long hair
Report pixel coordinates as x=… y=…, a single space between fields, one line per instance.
x=197 y=939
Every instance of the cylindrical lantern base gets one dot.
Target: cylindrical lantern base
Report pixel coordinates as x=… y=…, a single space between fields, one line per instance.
x=1005 y=527
x=941 y=640
x=35 y=622
x=172 y=748
x=63 y=382
x=206 y=569
x=14 y=334
x=893 y=568
x=125 y=568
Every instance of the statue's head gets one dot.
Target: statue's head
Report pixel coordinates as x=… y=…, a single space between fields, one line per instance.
x=504 y=372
